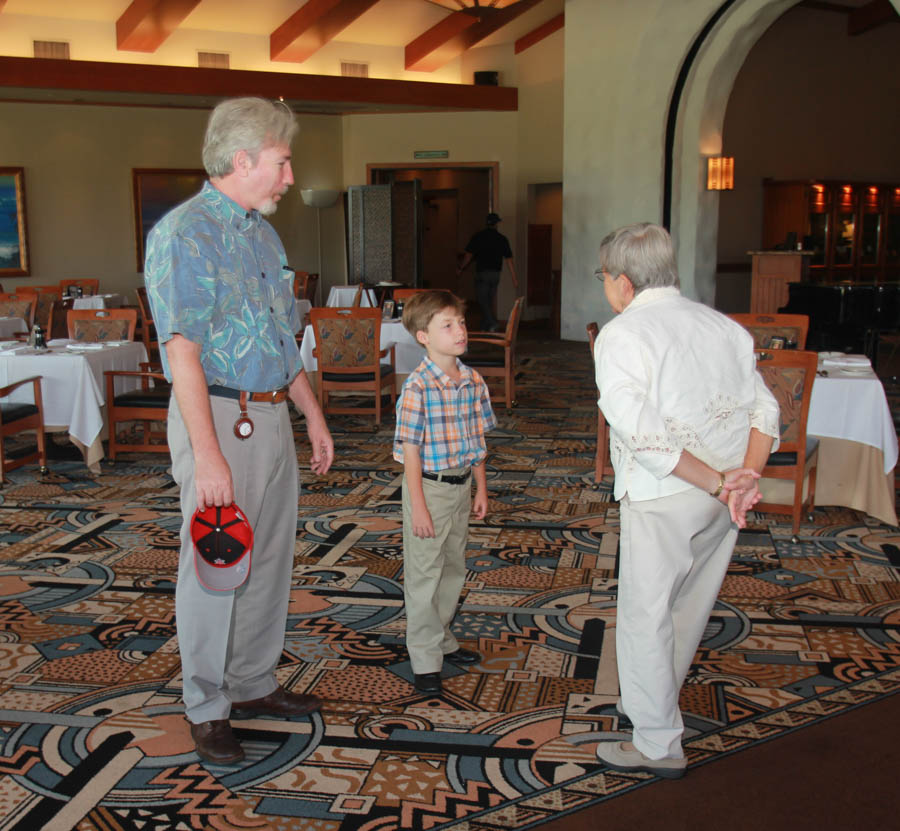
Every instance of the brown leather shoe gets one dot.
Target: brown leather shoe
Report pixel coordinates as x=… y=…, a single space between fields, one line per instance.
x=216 y=743
x=277 y=703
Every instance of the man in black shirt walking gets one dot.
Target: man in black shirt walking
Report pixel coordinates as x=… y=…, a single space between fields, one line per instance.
x=489 y=248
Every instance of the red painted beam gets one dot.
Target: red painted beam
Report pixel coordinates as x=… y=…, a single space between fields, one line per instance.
x=871 y=16
x=537 y=35
x=444 y=42
x=145 y=24
x=309 y=28
x=387 y=95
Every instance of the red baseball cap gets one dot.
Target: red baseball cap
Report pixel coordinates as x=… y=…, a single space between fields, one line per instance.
x=223 y=540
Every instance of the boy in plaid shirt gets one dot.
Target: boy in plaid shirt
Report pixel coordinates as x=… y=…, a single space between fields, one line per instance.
x=443 y=412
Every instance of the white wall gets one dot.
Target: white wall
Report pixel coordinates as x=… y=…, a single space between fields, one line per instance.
x=78 y=162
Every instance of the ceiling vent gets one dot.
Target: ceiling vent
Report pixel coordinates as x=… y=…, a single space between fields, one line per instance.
x=214 y=60
x=58 y=49
x=354 y=70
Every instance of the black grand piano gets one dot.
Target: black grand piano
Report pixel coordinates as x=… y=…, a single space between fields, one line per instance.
x=846 y=317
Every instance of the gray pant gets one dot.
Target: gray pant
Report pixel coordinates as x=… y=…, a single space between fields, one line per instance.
x=486 y=283
x=230 y=642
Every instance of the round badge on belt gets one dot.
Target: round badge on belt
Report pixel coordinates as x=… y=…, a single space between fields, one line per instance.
x=243 y=428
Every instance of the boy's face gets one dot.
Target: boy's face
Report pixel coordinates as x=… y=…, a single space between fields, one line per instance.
x=445 y=335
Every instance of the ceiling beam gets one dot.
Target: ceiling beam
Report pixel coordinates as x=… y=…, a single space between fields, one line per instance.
x=297 y=89
x=448 y=40
x=537 y=35
x=2 y=4
x=312 y=26
x=871 y=16
x=145 y=24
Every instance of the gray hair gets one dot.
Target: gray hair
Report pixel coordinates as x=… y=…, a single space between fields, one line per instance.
x=250 y=124
x=644 y=253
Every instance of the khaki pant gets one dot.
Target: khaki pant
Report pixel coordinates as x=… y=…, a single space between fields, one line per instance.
x=674 y=552
x=230 y=642
x=434 y=571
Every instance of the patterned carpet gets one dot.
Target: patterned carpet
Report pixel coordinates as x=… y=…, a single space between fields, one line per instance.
x=90 y=722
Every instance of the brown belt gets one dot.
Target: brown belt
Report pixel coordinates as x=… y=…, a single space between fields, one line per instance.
x=273 y=397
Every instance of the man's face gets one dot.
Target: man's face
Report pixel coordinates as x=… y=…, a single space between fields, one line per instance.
x=267 y=180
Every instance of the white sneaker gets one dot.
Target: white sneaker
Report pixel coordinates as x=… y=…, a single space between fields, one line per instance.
x=615 y=756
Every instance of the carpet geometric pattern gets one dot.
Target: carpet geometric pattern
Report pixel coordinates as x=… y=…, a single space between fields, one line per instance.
x=92 y=735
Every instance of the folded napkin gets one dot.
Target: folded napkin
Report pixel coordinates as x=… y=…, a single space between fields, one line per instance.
x=60 y=342
x=77 y=347
x=848 y=362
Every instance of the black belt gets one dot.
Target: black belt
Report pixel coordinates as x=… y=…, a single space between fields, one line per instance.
x=274 y=397
x=460 y=479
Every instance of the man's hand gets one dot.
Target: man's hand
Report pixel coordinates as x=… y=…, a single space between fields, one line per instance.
x=212 y=481
x=422 y=526
x=322 y=446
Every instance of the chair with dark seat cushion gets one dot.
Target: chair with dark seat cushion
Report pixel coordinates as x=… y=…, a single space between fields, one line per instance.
x=349 y=357
x=98 y=325
x=19 y=305
x=148 y=404
x=501 y=364
x=602 y=464
x=764 y=327
x=18 y=418
x=789 y=375
x=88 y=285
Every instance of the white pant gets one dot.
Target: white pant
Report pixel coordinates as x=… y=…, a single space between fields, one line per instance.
x=674 y=552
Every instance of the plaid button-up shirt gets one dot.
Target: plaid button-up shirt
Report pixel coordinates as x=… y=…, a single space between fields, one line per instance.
x=447 y=420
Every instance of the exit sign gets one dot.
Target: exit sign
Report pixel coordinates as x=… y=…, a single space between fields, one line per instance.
x=431 y=154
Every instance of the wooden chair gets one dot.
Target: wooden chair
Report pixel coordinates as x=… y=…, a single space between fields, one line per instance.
x=45 y=297
x=19 y=418
x=790 y=374
x=764 y=327
x=497 y=366
x=89 y=285
x=349 y=357
x=57 y=318
x=148 y=329
x=305 y=286
x=19 y=305
x=602 y=464
x=402 y=295
x=99 y=325
x=147 y=405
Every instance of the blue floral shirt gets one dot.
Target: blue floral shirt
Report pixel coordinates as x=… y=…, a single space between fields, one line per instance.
x=218 y=276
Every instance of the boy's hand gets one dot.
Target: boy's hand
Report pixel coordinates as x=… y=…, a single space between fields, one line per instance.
x=480 y=504
x=422 y=526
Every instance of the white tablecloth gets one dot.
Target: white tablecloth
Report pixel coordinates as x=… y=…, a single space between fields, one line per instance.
x=10 y=325
x=408 y=353
x=853 y=407
x=99 y=301
x=73 y=387
x=344 y=295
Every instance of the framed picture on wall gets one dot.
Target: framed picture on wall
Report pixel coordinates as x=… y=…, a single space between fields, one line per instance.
x=156 y=191
x=13 y=229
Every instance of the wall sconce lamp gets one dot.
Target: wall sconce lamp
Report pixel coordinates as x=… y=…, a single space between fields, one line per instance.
x=319 y=198
x=720 y=173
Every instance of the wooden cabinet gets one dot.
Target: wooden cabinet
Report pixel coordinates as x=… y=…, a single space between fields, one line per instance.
x=851 y=229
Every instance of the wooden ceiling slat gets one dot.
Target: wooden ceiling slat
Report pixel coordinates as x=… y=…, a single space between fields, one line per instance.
x=870 y=16
x=312 y=26
x=446 y=44
x=179 y=82
x=146 y=24
x=537 y=35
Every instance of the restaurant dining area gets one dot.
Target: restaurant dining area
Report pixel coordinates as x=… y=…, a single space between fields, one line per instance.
x=760 y=133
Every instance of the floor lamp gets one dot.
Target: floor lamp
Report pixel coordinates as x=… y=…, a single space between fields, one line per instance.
x=319 y=198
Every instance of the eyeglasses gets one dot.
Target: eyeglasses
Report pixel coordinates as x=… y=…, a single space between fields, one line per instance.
x=600 y=274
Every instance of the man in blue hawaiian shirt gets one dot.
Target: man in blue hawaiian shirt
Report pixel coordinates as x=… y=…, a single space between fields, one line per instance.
x=223 y=304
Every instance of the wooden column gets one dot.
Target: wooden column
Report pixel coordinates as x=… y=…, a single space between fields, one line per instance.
x=772 y=271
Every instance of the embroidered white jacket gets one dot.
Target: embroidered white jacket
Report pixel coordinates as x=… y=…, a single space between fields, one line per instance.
x=675 y=375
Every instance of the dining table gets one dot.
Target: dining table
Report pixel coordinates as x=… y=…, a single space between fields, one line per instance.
x=10 y=325
x=858 y=449
x=343 y=296
x=99 y=301
x=73 y=386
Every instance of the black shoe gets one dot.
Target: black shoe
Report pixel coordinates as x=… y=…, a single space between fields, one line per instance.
x=463 y=656
x=428 y=682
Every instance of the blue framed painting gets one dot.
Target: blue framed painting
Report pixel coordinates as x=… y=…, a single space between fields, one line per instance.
x=13 y=229
x=156 y=192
